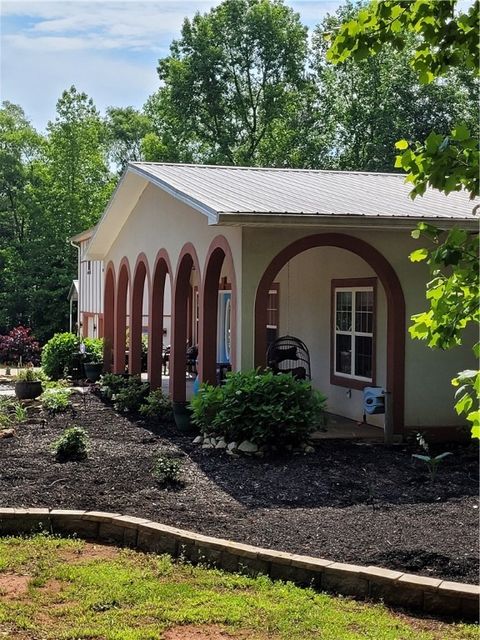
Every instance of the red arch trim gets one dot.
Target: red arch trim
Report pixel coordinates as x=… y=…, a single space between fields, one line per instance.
x=218 y=253
x=395 y=307
x=109 y=316
x=141 y=273
x=124 y=278
x=161 y=269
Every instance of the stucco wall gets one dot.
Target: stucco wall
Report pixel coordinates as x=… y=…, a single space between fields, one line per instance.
x=428 y=392
x=305 y=304
x=159 y=221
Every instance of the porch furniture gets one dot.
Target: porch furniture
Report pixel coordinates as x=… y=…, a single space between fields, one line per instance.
x=289 y=355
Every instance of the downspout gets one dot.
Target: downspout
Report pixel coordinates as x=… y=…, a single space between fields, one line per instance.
x=77 y=247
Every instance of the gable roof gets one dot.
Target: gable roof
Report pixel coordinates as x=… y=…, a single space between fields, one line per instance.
x=250 y=190
x=250 y=195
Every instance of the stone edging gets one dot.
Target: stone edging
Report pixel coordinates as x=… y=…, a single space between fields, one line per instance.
x=393 y=587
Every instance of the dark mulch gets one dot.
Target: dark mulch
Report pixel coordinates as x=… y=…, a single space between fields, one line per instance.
x=349 y=501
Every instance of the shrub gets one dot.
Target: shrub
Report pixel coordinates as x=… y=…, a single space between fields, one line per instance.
x=72 y=444
x=19 y=344
x=265 y=408
x=93 y=349
x=11 y=412
x=56 y=400
x=156 y=405
x=131 y=395
x=167 y=470
x=59 y=355
x=111 y=384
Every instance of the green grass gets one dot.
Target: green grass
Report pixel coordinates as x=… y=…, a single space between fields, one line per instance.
x=125 y=595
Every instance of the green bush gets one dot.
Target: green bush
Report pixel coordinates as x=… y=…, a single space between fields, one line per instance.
x=110 y=384
x=266 y=408
x=167 y=470
x=72 y=444
x=157 y=405
x=93 y=349
x=131 y=395
x=56 y=400
x=59 y=355
x=11 y=412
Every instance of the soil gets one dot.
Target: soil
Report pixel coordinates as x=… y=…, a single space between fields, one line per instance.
x=350 y=501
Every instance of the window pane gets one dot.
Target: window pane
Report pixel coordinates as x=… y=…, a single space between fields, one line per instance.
x=364 y=311
x=344 y=311
x=363 y=356
x=343 y=346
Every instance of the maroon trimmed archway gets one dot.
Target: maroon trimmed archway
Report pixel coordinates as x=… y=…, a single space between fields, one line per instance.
x=395 y=307
x=141 y=274
x=121 y=316
x=218 y=253
x=161 y=269
x=187 y=261
x=108 y=317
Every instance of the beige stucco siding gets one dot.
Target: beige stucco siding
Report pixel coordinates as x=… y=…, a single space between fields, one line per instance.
x=428 y=392
x=159 y=221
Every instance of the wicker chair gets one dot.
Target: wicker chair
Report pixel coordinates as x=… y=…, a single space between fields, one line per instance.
x=289 y=355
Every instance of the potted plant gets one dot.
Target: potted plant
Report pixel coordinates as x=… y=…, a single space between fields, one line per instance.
x=182 y=414
x=93 y=359
x=27 y=384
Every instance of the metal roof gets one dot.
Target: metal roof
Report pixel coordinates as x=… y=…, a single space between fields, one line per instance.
x=218 y=190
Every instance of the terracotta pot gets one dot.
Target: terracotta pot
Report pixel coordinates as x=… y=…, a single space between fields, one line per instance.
x=28 y=390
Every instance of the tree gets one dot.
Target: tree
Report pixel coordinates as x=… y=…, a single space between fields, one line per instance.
x=372 y=102
x=126 y=130
x=231 y=81
x=444 y=41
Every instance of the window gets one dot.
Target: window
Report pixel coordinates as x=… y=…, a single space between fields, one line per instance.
x=353 y=332
x=272 y=313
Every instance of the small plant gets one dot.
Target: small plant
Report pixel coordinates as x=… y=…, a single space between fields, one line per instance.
x=72 y=444
x=56 y=400
x=28 y=374
x=167 y=470
x=93 y=350
x=11 y=413
x=111 y=384
x=131 y=395
x=156 y=405
x=20 y=412
x=432 y=462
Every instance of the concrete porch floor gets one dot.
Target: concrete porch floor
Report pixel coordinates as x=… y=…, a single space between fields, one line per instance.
x=338 y=427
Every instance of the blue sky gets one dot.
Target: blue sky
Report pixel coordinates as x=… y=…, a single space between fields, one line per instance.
x=107 y=48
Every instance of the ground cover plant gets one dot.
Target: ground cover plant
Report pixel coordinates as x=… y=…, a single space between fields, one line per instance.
x=56 y=400
x=262 y=407
x=62 y=589
x=11 y=413
x=157 y=405
x=71 y=445
x=316 y=504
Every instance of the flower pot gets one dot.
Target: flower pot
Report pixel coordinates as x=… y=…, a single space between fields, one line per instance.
x=183 y=415
x=93 y=370
x=28 y=390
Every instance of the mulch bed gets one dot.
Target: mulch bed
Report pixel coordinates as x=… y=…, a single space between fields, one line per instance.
x=349 y=501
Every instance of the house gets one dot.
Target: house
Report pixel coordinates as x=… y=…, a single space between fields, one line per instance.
x=86 y=293
x=254 y=253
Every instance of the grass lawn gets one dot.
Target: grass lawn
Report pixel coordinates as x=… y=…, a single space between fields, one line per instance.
x=67 y=588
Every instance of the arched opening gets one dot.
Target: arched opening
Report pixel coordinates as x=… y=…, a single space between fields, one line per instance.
x=139 y=315
x=218 y=318
x=121 y=314
x=108 y=319
x=160 y=320
x=185 y=319
x=394 y=302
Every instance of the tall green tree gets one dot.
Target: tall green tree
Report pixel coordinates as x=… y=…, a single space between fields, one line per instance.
x=371 y=102
x=126 y=129
x=231 y=81
x=445 y=41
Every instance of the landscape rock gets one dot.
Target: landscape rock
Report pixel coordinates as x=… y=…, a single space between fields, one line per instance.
x=221 y=444
x=198 y=440
x=309 y=449
x=7 y=433
x=207 y=445
x=231 y=446
x=247 y=447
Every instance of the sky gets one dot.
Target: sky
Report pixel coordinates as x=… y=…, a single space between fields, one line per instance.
x=108 y=49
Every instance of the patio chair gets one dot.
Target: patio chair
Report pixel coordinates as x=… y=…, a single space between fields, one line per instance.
x=289 y=355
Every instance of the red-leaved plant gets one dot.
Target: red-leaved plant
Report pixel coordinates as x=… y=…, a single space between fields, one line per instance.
x=19 y=343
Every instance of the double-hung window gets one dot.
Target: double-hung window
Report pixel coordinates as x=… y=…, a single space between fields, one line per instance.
x=353 y=332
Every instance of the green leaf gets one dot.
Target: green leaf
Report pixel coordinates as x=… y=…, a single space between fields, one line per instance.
x=418 y=255
x=402 y=145
x=460 y=133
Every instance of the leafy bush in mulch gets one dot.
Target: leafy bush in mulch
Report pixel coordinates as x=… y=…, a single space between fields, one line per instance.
x=59 y=355
x=71 y=445
x=167 y=470
x=56 y=400
x=157 y=405
x=128 y=393
x=265 y=408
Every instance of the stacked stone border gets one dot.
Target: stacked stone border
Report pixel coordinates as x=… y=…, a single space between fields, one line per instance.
x=395 y=588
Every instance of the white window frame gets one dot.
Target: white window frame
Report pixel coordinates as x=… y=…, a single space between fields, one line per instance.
x=353 y=333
